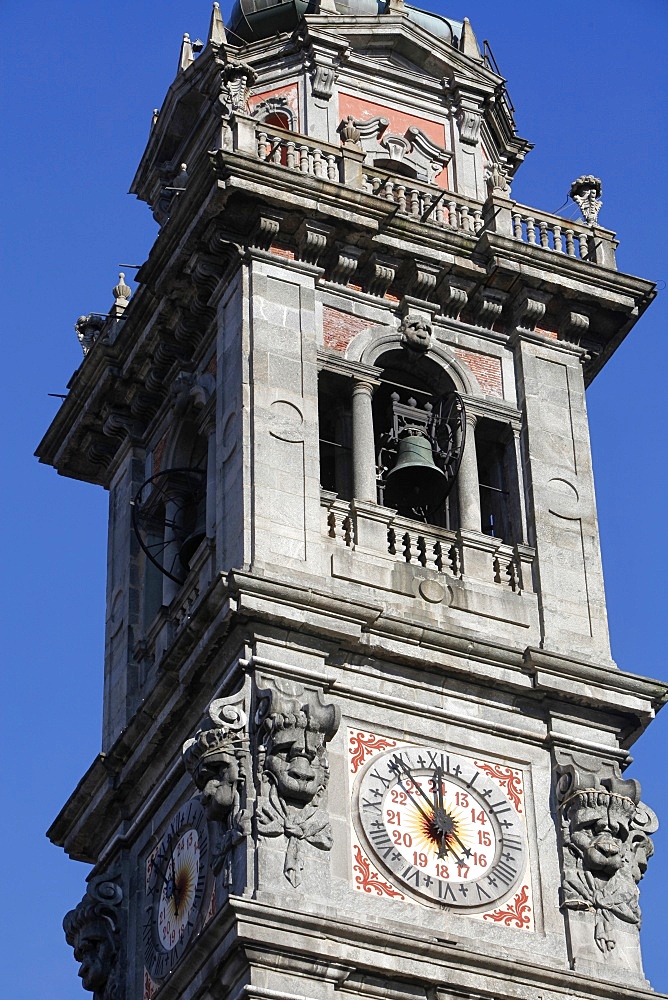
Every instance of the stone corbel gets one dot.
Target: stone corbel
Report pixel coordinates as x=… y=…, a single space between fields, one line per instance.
x=312 y=239
x=266 y=229
x=121 y=425
x=528 y=308
x=380 y=274
x=323 y=79
x=345 y=265
x=453 y=295
x=487 y=307
x=422 y=279
x=468 y=122
x=98 y=449
x=573 y=326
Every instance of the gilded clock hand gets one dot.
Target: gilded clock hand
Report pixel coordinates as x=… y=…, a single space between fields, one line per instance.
x=175 y=894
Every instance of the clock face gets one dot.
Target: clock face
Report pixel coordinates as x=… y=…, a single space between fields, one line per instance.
x=441 y=827
x=175 y=889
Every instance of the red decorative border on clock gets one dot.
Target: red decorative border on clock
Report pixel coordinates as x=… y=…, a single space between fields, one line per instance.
x=508 y=778
x=517 y=912
x=369 y=880
x=150 y=988
x=362 y=745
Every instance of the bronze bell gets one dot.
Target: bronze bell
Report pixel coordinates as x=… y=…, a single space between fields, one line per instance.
x=415 y=480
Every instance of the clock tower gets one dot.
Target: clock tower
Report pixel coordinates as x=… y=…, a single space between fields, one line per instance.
x=363 y=734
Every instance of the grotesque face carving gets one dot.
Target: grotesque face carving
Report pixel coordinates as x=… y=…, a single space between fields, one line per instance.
x=599 y=828
x=297 y=760
x=94 y=949
x=416 y=334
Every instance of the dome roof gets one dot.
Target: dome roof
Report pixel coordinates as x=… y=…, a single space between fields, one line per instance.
x=252 y=20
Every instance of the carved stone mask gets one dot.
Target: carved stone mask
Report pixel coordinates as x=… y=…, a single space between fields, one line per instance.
x=599 y=825
x=296 y=759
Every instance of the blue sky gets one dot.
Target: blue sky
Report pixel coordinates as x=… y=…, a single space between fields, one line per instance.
x=80 y=83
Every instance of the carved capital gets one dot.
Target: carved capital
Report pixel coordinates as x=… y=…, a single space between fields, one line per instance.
x=294 y=726
x=312 y=238
x=529 y=308
x=92 y=929
x=606 y=846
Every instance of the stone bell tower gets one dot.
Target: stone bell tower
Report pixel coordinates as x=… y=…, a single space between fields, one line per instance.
x=363 y=735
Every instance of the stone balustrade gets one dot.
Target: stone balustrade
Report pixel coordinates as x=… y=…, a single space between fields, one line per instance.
x=424 y=545
x=424 y=202
x=458 y=554
x=298 y=153
x=551 y=232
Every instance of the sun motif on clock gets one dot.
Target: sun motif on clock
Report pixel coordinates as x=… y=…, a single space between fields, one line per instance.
x=177 y=885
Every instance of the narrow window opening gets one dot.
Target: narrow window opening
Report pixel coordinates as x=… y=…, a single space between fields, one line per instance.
x=335 y=431
x=498 y=481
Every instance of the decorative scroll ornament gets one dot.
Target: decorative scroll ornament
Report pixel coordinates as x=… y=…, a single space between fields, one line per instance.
x=218 y=759
x=586 y=193
x=294 y=727
x=93 y=929
x=605 y=832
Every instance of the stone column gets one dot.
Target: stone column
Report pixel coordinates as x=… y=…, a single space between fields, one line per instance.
x=468 y=491
x=364 y=448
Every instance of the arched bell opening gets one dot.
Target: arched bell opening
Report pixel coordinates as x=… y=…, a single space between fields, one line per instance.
x=419 y=432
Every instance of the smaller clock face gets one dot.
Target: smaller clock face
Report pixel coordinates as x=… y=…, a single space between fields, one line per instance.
x=176 y=887
x=441 y=827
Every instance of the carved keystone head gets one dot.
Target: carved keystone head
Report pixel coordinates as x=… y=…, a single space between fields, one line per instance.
x=415 y=334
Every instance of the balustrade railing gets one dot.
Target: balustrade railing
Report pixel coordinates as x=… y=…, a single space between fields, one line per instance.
x=552 y=232
x=299 y=153
x=430 y=547
x=425 y=202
